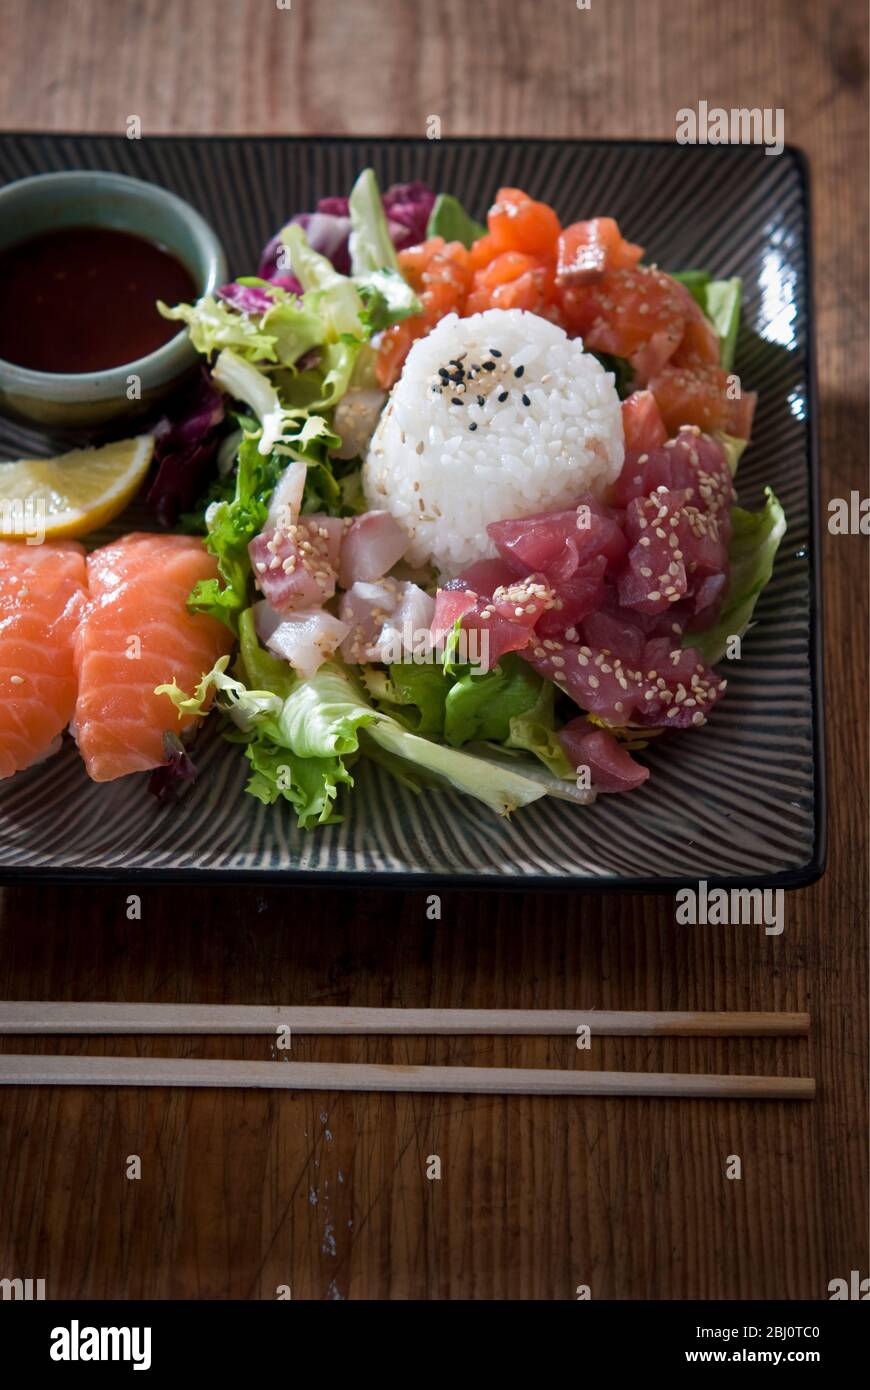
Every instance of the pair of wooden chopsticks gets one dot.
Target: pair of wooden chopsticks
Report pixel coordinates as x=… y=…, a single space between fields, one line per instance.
x=41 y=1019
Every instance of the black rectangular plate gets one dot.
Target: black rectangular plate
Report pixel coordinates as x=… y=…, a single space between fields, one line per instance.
x=741 y=801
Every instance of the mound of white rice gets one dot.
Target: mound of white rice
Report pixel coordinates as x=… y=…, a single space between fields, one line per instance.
x=495 y=416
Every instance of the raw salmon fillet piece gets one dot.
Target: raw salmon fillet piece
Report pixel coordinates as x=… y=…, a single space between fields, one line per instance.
x=137 y=633
x=42 y=597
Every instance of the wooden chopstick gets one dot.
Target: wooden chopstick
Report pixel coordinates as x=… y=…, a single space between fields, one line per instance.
x=33 y=1017
x=33 y=1070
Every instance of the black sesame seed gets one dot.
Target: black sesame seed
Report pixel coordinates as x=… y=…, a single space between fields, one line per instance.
x=443 y=372
x=494 y=352
x=503 y=396
x=480 y=400
x=489 y=366
x=525 y=399
x=454 y=400
x=519 y=371
x=472 y=426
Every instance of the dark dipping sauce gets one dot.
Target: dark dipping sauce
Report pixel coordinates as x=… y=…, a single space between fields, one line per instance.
x=83 y=299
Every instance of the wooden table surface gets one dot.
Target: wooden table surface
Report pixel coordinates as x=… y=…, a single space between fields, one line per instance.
x=243 y=1192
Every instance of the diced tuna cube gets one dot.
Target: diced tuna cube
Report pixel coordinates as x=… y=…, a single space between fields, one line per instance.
x=296 y=566
x=610 y=766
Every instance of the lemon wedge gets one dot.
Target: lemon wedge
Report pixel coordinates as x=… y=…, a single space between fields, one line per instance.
x=73 y=493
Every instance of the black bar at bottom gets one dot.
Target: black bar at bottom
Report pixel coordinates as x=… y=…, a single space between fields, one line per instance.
x=231 y=1342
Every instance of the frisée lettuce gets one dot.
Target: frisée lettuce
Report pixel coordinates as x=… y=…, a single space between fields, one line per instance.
x=302 y=738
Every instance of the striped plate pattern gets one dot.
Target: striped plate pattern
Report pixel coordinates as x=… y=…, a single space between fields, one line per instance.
x=740 y=800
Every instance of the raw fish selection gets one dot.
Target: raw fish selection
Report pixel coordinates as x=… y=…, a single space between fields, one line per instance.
x=466 y=506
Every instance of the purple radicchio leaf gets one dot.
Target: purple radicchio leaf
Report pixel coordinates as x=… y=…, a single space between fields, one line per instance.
x=408 y=207
x=288 y=283
x=248 y=299
x=335 y=207
x=272 y=269
x=184 y=448
x=327 y=234
x=173 y=778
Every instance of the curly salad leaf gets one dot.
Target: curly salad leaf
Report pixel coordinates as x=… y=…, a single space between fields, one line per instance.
x=302 y=737
x=289 y=359
x=265 y=324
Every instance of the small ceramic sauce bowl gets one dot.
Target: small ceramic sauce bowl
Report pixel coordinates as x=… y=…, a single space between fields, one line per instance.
x=49 y=202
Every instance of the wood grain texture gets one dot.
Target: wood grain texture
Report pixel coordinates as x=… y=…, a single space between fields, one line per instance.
x=242 y=1192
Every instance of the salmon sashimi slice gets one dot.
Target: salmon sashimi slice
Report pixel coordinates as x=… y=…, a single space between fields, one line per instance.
x=138 y=633
x=42 y=597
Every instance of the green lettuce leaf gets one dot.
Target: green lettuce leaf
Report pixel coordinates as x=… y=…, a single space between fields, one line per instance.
x=347 y=308
x=722 y=307
x=337 y=364
x=310 y=785
x=695 y=281
x=371 y=247
x=255 y=666
x=321 y=717
x=449 y=219
x=534 y=731
x=330 y=295
x=483 y=706
x=233 y=519
x=414 y=695
x=414 y=778
x=500 y=755
x=214 y=325
x=732 y=447
x=388 y=298
x=510 y=705
x=246 y=707
x=291 y=430
x=501 y=788
x=301 y=736
x=755 y=539
x=231 y=524
x=449 y=664
x=241 y=380
x=296 y=329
